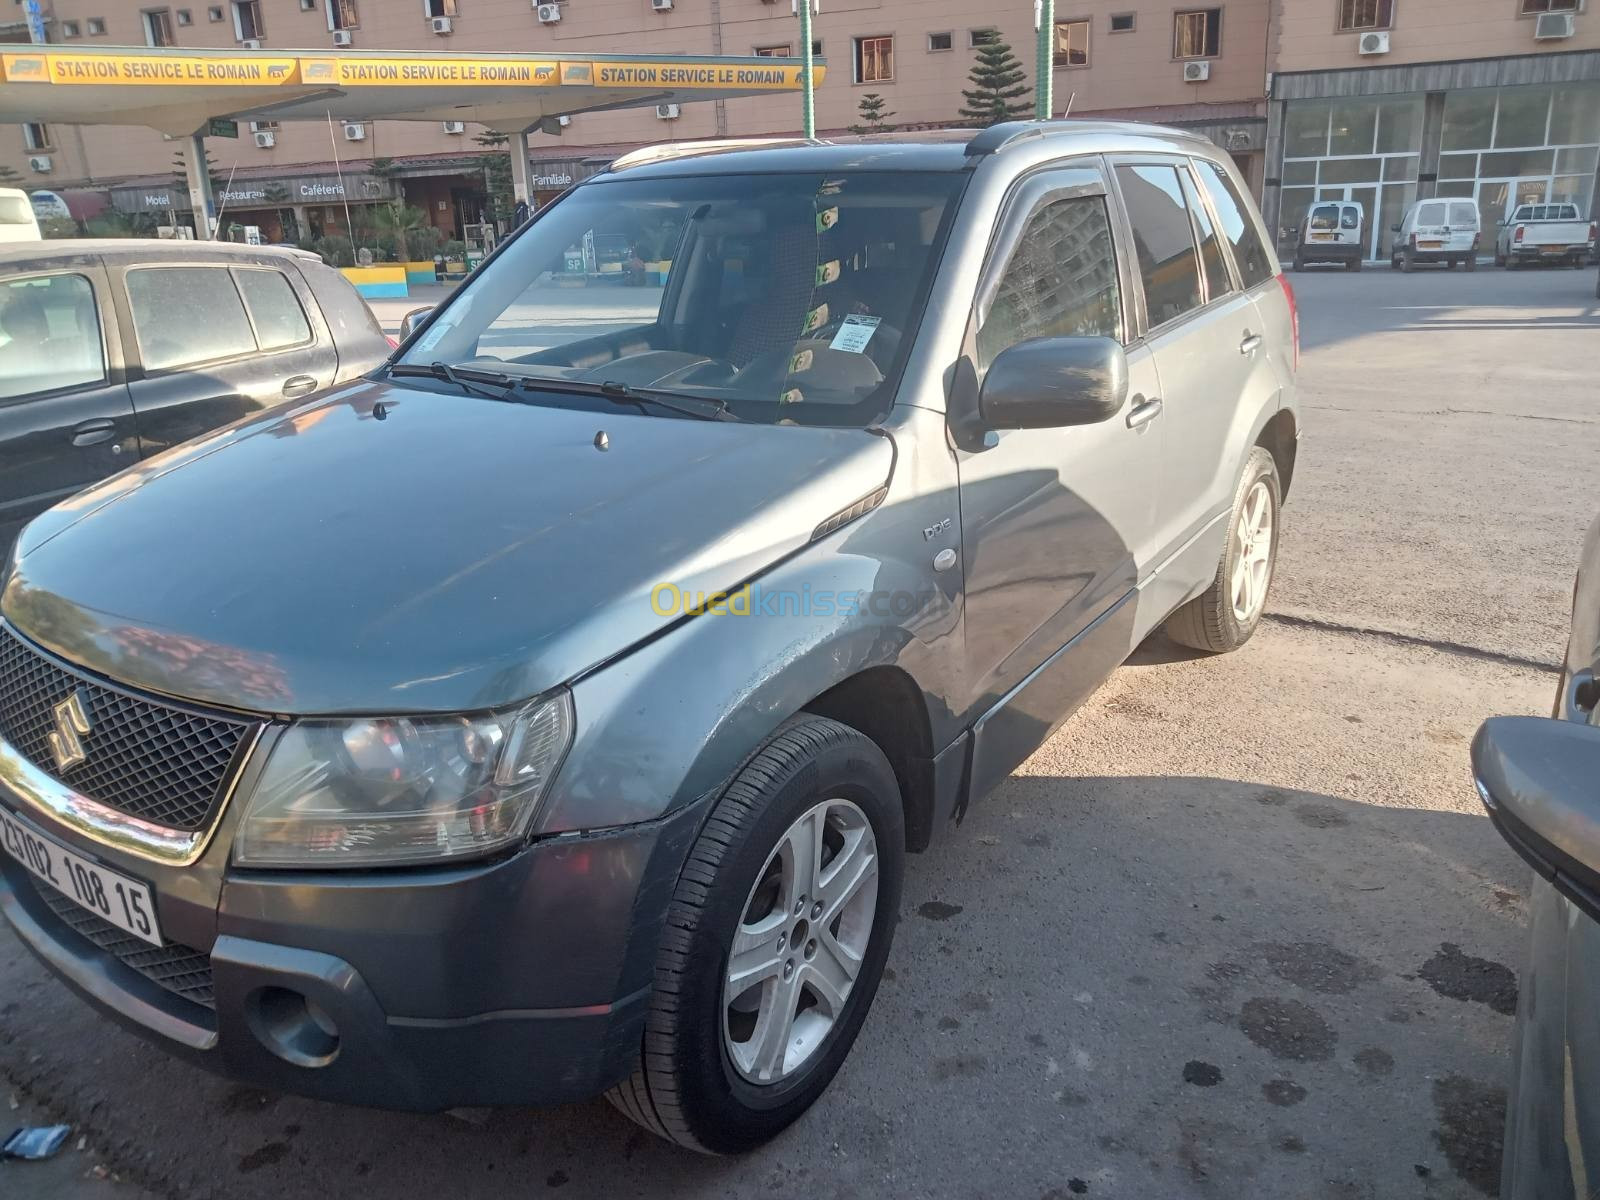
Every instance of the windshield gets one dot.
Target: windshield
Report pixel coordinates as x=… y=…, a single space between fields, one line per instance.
x=786 y=297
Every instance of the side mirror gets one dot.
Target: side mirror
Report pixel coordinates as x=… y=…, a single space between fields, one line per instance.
x=411 y=320
x=1049 y=383
x=1394 y=229
x=1536 y=776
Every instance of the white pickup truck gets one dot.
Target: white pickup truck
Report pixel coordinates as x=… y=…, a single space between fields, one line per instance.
x=1552 y=233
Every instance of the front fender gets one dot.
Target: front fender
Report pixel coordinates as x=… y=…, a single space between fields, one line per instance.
x=675 y=719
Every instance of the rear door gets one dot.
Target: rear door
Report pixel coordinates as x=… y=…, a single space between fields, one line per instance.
x=1210 y=350
x=1461 y=221
x=66 y=419
x=214 y=342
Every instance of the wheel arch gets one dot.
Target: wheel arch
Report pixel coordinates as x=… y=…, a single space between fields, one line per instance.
x=1280 y=437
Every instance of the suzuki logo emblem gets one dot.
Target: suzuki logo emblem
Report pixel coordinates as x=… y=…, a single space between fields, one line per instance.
x=66 y=739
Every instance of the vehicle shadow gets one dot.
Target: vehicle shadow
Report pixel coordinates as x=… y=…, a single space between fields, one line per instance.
x=1158 y=986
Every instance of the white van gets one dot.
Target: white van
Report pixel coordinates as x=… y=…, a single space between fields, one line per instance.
x=1334 y=231
x=1441 y=230
x=17 y=222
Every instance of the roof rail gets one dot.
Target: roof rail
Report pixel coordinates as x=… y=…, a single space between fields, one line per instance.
x=667 y=151
x=997 y=137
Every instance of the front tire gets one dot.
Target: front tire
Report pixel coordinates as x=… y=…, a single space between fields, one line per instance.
x=1223 y=617
x=774 y=944
x=1471 y=262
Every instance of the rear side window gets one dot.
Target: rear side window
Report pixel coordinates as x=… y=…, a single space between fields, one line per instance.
x=1211 y=258
x=279 y=319
x=1060 y=282
x=49 y=336
x=1249 y=254
x=186 y=315
x=1462 y=213
x=1325 y=216
x=1163 y=239
x=1350 y=218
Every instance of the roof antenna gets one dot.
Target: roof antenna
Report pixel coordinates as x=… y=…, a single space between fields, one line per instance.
x=1067 y=112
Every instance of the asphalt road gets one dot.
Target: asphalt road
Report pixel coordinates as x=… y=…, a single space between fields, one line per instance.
x=1238 y=930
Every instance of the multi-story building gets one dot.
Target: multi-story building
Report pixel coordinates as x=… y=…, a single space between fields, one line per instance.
x=1381 y=101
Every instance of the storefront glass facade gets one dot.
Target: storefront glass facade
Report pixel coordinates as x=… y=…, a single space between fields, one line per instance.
x=1497 y=146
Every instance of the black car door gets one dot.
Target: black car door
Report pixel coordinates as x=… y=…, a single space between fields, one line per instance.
x=212 y=341
x=66 y=419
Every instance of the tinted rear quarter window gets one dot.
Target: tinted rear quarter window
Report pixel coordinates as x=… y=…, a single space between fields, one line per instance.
x=1350 y=218
x=1238 y=226
x=347 y=314
x=1163 y=239
x=185 y=315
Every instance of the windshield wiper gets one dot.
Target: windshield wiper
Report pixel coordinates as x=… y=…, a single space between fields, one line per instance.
x=471 y=380
x=622 y=393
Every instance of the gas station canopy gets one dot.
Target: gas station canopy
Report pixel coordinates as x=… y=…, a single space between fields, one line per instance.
x=178 y=90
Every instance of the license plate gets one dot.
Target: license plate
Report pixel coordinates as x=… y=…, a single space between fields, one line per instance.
x=109 y=895
x=1554 y=250
x=1322 y=237
x=1430 y=245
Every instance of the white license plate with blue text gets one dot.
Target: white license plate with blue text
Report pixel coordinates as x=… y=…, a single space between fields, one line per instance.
x=109 y=895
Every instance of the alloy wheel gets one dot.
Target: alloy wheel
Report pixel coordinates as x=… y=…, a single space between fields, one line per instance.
x=1252 y=568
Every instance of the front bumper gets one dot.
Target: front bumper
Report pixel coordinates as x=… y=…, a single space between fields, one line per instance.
x=522 y=981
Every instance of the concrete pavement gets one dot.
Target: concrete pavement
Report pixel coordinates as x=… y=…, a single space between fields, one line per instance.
x=1238 y=930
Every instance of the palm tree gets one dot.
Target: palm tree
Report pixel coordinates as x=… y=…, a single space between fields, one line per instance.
x=400 y=220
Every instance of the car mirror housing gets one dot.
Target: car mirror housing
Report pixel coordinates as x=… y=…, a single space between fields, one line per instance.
x=1049 y=383
x=1394 y=229
x=409 y=322
x=1536 y=776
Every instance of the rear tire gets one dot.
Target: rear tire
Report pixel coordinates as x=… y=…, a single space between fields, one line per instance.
x=1470 y=262
x=688 y=1088
x=1499 y=259
x=1214 y=620
x=1353 y=265
x=1407 y=262
x=1298 y=265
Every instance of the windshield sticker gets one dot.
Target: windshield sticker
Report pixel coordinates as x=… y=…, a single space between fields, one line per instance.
x=827 y=219
x=816 y=318
x=435 y=335
x=828 y=272
x=800 y=362
x=792 y=396
x=855 y=333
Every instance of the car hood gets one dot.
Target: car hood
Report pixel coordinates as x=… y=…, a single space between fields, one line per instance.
x=388 y=549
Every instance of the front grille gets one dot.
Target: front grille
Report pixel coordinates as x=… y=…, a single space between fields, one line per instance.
x=151 y=760
x=181 y=970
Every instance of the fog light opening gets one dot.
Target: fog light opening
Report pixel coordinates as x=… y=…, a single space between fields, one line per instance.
x=294 y=1027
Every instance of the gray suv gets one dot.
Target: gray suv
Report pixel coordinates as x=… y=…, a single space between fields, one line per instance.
x=493 y=730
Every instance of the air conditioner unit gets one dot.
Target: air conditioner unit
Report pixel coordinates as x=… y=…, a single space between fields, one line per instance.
x=1196 y=72
x=1374 y=43
x=251 y=43
x=563 y=121
x=341 y=37
x=455 y=126
x=549 y=14
x=1552 y=27
x=661 y=5
x=443 y=25
x=266 y=140
x=42 y=163
x=668 y=112
x=355 y=131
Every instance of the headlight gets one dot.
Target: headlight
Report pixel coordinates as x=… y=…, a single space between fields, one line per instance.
x=396 y=791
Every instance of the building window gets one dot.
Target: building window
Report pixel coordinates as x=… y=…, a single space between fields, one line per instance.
x=214 y=13
x=70 y=29
x=247 y=19
x=1072 y=44
x=185 y=17
x=1365 y=14
x=342 y=15
x=96 y=26
x=816 y=48
x=784 y=51
x=1530 y=7
x=1122 y=22
x=158 y=27
x=1197 y=34
x=983 y=37
x=440 y=8
x=941 y=41
x=874 y=60
x=36 y=136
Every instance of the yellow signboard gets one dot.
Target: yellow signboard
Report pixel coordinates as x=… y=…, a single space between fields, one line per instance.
x=409 y=72
x=241 y=70
x=268 y=70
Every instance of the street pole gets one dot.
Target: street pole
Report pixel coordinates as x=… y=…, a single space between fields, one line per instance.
x=1044 y=19
x=807 y=82
x=201 y=199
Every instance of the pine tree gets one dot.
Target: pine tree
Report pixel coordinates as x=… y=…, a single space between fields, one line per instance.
x=497 y=174
x=998 y=92
x=873 y=117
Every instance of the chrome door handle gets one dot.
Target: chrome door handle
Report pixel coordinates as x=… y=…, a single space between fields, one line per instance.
x=1143 y=411
x=299 y=385
x=93 y=432
x=1251 y=343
